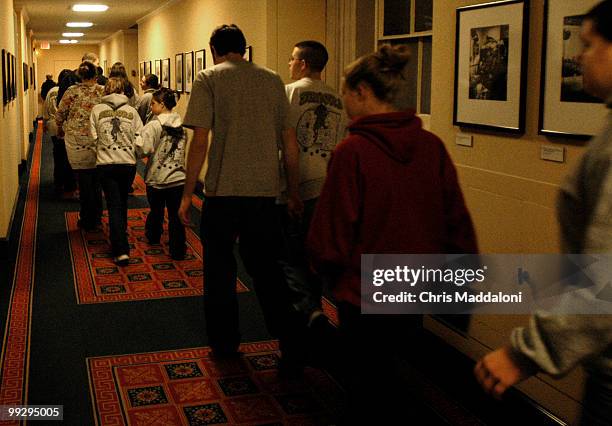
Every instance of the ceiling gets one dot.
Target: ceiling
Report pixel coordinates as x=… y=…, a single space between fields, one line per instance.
x=47 y=18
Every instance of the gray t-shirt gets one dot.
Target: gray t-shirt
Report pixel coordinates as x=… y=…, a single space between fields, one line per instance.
x=246 y=108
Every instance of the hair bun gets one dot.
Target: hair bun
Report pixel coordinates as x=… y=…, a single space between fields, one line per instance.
x=395 y=58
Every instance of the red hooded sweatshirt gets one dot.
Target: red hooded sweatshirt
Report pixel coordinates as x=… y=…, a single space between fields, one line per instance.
x=391 y=188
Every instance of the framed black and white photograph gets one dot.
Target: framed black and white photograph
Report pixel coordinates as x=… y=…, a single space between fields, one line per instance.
x=25 y=70
x=32 y=82
x=490 y=66
x=4 y=78
x=165 y=73
x=188 y=71
x=12 y=88
x=248 y=53
x=561 y=89
x=179 y=72
x=157 y=70
x=141 y=69
x=200 y=60
x=14 y=71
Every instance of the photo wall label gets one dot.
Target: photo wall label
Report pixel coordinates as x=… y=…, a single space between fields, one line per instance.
x=490 y=66
x=562 y=93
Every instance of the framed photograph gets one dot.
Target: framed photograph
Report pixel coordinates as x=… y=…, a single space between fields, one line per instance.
x=158 y=69
x=200 y=60
x=491 y=65
x=179 y=72
x=32 y=83
x=188 y=71
x=4 y=78
x=141 y=69
x=565 y=108
x=248 y=53
x=165 y=73
x=147 y=67
x=14 y=71
x=33 y=69
x=12 y=88
x=24 y=68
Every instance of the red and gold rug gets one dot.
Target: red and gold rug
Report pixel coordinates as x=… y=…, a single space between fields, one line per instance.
x=188 y=387
x=151 y=274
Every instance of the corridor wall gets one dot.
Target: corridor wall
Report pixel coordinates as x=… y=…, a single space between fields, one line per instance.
x=121 y=47
x=11 y=132
x=510 y=191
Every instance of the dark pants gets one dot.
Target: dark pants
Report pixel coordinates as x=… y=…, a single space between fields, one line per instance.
x=170 y=199
x=90 y=197
x=63 y=176
x=255 y=220
x=116 y=180
x=306 y=285
x=371 y=348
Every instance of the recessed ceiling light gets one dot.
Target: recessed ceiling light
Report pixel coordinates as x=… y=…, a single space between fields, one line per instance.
x=79 y=24
x=89 y=8
x=73 y=34
x=68 y=41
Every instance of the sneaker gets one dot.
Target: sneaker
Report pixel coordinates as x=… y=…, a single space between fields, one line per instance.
x=122 y=260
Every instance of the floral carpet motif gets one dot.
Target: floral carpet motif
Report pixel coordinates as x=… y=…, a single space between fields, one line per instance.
x=151 y=273
x=188 y=387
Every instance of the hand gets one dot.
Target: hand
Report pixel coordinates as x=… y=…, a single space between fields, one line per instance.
x=502 y=368
x=295 y=206
x=185 y=210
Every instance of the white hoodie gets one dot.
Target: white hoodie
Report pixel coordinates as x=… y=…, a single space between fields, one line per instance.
x=115 y=128
x=166 y=165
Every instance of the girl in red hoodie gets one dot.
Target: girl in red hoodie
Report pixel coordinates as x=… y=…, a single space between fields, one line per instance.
x=391 y=188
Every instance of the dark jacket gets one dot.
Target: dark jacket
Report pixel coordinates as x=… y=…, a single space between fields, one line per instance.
x=45 y=87
x=391 y=188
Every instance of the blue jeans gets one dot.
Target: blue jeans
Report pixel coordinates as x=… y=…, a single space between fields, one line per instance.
x=116 y=181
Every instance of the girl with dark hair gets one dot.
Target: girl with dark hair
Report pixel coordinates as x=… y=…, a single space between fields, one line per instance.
x=72 y=119
x=164 y=142
x=116 y=128
x=391 y=187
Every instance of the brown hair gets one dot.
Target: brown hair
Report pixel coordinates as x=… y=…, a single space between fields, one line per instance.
x=384 y=71
x=114 y=85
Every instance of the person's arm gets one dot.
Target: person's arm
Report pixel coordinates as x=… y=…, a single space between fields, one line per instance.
x=198 y=150
x=93 y=126
x=295 y=206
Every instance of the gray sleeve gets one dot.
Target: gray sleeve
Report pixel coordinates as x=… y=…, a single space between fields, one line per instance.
x=557 y=343
x=200 y=110
x=283 y=105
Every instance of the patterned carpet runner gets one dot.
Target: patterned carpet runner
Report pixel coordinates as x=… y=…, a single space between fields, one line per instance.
x=151 y=274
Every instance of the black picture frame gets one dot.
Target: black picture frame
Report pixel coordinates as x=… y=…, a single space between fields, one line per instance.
x=157 y=70
x=4 y=79
x=141 y=69
x=24 y=68
x=188 y=67
x=14 y=72
x=179 y=72
x=561 y=94
x=491 y=47
x=200 y=61
x=165 y=73
x=248 y=53
x=32 y=82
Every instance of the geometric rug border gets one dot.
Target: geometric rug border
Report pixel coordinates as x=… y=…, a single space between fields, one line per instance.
x=82 y=270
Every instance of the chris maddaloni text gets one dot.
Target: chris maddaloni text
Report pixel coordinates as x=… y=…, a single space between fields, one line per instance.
x=458 y=297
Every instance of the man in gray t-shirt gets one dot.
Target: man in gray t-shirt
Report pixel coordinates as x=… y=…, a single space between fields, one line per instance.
x=245 y=109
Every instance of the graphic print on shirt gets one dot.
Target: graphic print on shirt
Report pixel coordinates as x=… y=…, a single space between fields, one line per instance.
x=172 y=153
x=117 y=126
x=318 y=126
